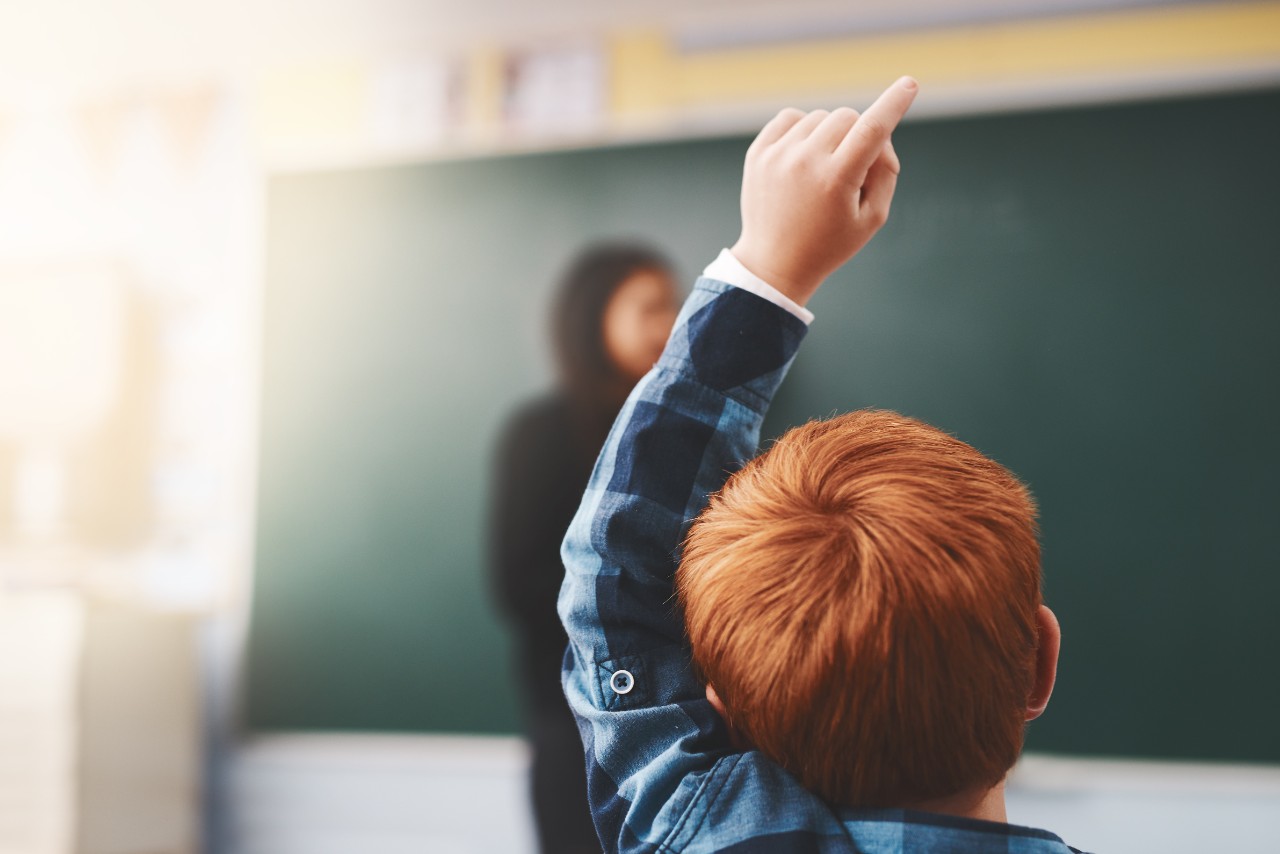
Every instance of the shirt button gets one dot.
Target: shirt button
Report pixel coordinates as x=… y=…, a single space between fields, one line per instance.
x=622 y=682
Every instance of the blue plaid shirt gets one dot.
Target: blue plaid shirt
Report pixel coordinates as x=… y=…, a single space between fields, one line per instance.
x=661 y=773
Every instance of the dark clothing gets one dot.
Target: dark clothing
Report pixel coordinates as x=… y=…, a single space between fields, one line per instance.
x=544 y=461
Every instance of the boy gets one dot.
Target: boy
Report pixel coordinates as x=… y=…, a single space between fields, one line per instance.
x=865 y=635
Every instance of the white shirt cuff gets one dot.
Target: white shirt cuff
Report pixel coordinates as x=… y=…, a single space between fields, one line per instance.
x=728 y=269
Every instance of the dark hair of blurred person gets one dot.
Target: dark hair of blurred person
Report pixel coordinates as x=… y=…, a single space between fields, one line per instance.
x=610 y=320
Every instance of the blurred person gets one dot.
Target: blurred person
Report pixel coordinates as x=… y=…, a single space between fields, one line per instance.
x=614 y=310
x=834 y=646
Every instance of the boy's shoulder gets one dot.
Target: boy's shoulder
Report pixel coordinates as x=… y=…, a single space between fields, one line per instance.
x=748 y=804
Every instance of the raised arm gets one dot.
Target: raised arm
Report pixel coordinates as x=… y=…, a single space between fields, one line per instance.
x=816 y=187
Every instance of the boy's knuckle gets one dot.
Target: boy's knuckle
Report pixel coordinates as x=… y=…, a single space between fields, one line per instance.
x=770 y=159
x=801 y=168
x=870 y=129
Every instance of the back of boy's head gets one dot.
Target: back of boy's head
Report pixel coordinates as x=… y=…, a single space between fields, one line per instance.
x=863 y=599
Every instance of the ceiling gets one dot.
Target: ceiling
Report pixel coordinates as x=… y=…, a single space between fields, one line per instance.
x=59 y=44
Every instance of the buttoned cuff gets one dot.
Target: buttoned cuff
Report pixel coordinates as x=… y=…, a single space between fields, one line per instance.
x=727 y=268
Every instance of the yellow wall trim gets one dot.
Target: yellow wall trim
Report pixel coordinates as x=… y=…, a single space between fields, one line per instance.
x=650 y=76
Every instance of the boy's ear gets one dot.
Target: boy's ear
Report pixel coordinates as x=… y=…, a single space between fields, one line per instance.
x=714 y=699
x=736 y=738
x=1049 y=635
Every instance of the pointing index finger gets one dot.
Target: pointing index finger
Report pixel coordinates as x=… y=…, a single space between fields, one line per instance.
x=863 y=143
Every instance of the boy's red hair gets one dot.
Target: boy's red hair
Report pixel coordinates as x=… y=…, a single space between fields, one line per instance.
x=863 y=599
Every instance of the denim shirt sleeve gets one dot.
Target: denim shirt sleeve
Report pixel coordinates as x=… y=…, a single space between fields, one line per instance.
x=651 y=737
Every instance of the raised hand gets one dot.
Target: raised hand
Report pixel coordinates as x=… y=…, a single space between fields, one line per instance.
x=816 y=187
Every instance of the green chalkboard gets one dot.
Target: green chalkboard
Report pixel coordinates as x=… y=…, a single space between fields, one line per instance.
x=1088 y=295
